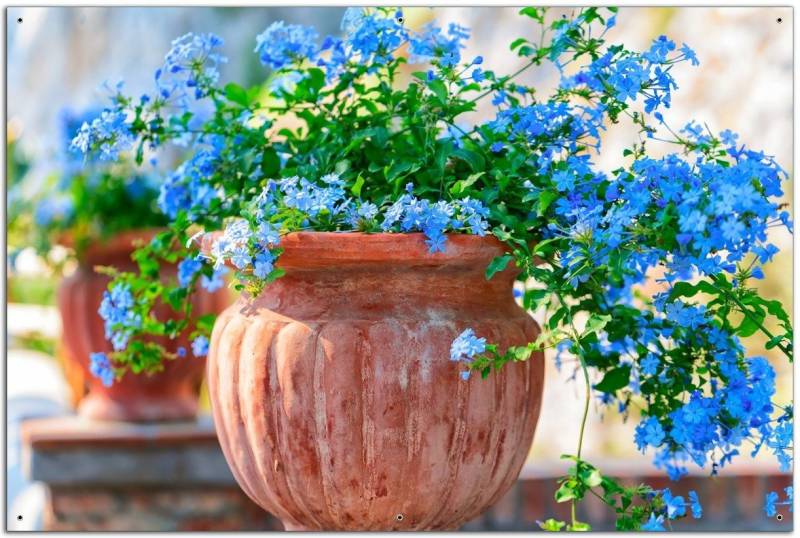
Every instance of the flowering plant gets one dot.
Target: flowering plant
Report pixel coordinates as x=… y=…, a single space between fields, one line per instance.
x=346 y=137
x=82 y=201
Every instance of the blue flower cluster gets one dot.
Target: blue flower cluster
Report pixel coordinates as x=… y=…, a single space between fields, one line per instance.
x=200 y=346
x=372 y=38
x=410 y=213
x=57 y=208
x=627 y=75
x=248 y=245
x=190 y=68
x=723 y=207
x=434 y=45
x=550 y=130
x=117 y=310
x=771 y=501
x=673 y=507
x=187 y=269
x=100 y=367
x=189 y=187
x=108 y=134
x=465 y=348
x=373 y=35
x=283 y=44
x=709 y=424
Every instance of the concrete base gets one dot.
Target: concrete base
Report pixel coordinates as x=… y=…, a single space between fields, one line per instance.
x=119 y=476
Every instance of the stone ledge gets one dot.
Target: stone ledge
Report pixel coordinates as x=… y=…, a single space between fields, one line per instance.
x=67 y=451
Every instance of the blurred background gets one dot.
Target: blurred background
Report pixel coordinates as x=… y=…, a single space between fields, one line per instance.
x=59 y=58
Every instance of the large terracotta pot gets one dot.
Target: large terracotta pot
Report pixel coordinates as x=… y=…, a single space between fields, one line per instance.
x=334 y=400
x=171 y=394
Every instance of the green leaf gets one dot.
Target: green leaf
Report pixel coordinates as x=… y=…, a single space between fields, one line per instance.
x=749 y=326
x=206 y=323
x=774 y=341
x=545 y=199
x=439 y=90
x=551 y=525
x=565 y=492
x=270 y=163
x=497 y=265
x=597 y=322
x=356 y=188
x=614 y=380
x=236 y=94
x=536 y=13
x=517 y=42
x=591 y=477
x=776 y=309
x=462 y=185
x=579 y=526
x=472 y=158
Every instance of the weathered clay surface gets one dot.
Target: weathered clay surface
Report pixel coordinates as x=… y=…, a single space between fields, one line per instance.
x=335 y=402
x=168 y=395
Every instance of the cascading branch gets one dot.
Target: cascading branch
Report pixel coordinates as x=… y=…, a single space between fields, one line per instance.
x=346 y=137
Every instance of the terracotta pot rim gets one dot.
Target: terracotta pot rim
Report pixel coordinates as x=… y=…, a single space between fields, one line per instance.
x=309 y=250
x=120 y=243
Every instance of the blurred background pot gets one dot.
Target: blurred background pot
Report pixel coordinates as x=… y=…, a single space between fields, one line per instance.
x=171 y=394
x=333 y=397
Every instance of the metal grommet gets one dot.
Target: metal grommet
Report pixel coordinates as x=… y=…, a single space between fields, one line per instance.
x=399 y=517
x=779 y=517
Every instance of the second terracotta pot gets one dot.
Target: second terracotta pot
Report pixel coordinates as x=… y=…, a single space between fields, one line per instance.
x=334 y=398
x=171 y=394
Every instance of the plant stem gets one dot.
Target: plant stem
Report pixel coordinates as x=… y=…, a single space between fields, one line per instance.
x=587 y=395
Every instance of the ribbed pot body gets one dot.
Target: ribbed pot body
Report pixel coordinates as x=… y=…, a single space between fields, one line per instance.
x=171 y=394
x=334 y=400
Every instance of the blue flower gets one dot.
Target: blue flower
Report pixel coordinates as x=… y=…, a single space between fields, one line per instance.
x=189 y=187
x=372 y=35
x=116 y=309
x=53 y=208
x=436 y=243
x=240 y=256
x=655 y=523
x=215 y=282
x=100 y=367
x=649 y=432
x=650 y=364
x=187 y=269
x=181 y=351
x=689 y=54
x=676 y=507
x=190 y=68
x=466 y=346
x=200 y=346
x=110 y=134
x=697 y=509
x=263 y=264
x=769 y=504
x=659 y=50
x=284 y=44
x=443 y=49
x=268 y=234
